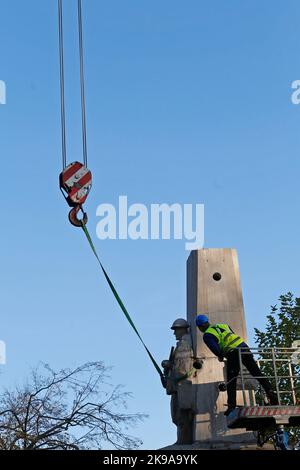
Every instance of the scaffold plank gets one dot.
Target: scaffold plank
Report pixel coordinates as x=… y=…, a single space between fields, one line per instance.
x=257 y=417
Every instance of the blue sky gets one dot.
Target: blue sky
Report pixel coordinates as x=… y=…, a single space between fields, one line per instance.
x=187 y=102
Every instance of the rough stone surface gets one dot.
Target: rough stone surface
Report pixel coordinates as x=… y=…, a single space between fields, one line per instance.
x=179 y=374
x=220 y=298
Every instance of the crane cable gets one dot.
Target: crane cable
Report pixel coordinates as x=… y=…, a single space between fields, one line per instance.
x=62 y=85
x=85 y=153
x=82 y=87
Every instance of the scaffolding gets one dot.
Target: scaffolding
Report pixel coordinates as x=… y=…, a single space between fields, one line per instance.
x=282 y=367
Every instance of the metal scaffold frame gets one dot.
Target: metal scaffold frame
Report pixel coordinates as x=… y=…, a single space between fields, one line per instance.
x=280 y=365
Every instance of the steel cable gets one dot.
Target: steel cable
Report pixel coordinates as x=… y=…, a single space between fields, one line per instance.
x=62 y=85
x=82 y=87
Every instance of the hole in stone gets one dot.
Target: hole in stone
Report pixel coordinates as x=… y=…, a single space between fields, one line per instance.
x=217 y=276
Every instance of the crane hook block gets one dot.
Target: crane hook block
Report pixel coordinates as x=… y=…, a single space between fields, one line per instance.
x=75 y=183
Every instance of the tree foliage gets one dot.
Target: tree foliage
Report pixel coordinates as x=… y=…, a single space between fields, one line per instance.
x=283 y=324
x=70 y=409
x=282 y=329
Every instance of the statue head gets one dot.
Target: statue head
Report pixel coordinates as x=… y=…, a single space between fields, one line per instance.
x=180 y=328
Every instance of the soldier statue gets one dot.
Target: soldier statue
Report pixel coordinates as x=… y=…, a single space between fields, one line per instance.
x=179 y=372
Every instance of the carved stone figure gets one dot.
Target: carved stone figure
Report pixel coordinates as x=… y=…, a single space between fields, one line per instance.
x=179 y=372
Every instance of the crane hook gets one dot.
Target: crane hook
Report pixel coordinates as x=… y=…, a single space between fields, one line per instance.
x=74 y=219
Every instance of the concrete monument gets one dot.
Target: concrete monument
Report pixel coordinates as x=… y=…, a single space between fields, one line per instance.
x=213 y=289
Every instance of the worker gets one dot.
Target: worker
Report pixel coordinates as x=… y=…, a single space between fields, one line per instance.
x=224 y=343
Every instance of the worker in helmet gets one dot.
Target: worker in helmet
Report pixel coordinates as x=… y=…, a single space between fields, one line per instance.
x=224 y=343
x=179 y=371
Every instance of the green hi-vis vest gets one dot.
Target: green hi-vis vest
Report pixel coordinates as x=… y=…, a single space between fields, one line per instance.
x=227 y=340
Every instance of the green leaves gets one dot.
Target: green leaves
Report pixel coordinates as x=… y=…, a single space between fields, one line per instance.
x=283 y=323
x=282 y=328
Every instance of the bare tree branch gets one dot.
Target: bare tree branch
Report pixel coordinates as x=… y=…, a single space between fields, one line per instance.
x=68 y=409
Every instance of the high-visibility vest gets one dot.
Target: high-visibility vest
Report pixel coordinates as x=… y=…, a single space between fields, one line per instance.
x=227 y=340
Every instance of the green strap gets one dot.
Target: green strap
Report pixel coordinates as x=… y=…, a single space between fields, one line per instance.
x=185 y=376
x=118 y=299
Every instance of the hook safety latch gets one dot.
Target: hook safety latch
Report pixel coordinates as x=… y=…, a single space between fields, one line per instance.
x=75 y=183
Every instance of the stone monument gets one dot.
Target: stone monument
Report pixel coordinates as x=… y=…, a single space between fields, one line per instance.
x=214 y=289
